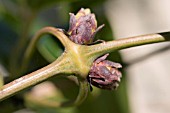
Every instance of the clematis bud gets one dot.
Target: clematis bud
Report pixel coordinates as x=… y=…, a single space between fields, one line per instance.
x=83 y=27
x=104 y=74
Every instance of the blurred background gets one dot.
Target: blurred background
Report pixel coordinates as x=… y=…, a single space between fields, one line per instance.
x=145 y=83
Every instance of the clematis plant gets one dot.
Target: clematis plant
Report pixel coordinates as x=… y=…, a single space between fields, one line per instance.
x=83 y=61
x=103 y=73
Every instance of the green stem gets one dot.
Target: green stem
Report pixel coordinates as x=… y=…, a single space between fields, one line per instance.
x=57 y=67
x=83 y=92
x=110 y=46
x=77 y=59
x=62 y=65
x=46 y=30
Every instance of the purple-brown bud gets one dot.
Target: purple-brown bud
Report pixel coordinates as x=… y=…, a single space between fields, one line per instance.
x=104 y=74
x=83 y=27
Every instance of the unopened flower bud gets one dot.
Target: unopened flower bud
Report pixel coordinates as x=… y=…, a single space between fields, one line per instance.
x=83 y=27
x=104 y=74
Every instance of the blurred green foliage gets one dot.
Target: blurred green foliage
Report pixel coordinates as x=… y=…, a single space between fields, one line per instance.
x=19 y=20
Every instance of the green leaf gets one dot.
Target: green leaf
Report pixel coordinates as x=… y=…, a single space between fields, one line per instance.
x=7 y=39
x=41 y=4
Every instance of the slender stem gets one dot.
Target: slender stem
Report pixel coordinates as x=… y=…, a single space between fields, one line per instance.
x=76 y=59
x=46 y=30
x=83 y=92
x=103 y=48
x=58 y=66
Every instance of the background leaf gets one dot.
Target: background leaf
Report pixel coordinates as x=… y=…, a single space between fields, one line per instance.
x=41 y=4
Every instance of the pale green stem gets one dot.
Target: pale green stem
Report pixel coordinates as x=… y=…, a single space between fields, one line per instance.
x=57 y=67
x=83 y=92
x=75 y=60
x=48 y=71
x=110 y=46
x=46 y=30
